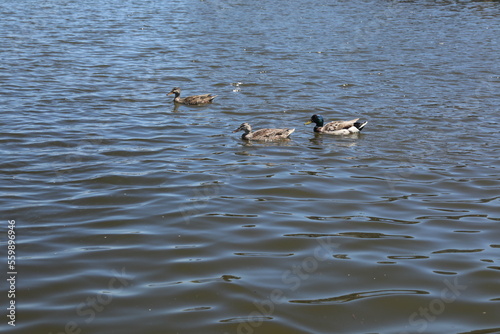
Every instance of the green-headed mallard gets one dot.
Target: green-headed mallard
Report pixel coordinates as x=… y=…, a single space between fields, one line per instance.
x=336 y=127
x=263 y=134
x=194 y=100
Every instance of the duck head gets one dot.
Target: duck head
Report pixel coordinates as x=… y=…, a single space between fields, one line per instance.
x=317 y=119
x=176 y=91
x=244 y=127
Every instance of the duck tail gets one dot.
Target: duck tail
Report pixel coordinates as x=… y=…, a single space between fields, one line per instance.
x=285 y=133
x=360 y=125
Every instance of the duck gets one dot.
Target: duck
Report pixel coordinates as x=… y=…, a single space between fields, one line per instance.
x=336 y=127
x=194 y=100
x=263 y=134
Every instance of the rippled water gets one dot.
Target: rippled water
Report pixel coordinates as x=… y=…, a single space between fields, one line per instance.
x=133 y=216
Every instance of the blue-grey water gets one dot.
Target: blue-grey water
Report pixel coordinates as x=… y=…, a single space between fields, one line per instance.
x=133 y=216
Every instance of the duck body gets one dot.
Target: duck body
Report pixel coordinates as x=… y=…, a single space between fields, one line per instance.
x=336 y=127
x=194 y=100
x=263 y=134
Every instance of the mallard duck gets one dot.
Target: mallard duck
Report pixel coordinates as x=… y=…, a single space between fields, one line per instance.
x=191 y=100
x=263 y=134
x=336 y=127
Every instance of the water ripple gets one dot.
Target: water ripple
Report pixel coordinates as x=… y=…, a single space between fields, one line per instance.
x=359 y=295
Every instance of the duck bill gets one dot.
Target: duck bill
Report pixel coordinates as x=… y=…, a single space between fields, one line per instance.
x=238 y=129
x=170 y=93
x=308 y=122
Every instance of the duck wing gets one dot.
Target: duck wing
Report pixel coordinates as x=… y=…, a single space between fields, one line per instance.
x=271 y=134
x=339 y=125
x=199 y=99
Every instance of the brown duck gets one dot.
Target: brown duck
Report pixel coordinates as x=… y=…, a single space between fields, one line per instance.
x=194 y=100
x=263 y=134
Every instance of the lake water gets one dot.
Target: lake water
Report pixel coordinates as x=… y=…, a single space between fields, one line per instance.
x=132 y=216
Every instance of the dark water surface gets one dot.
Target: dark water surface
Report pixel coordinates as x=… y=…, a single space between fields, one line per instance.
x=135 y=217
